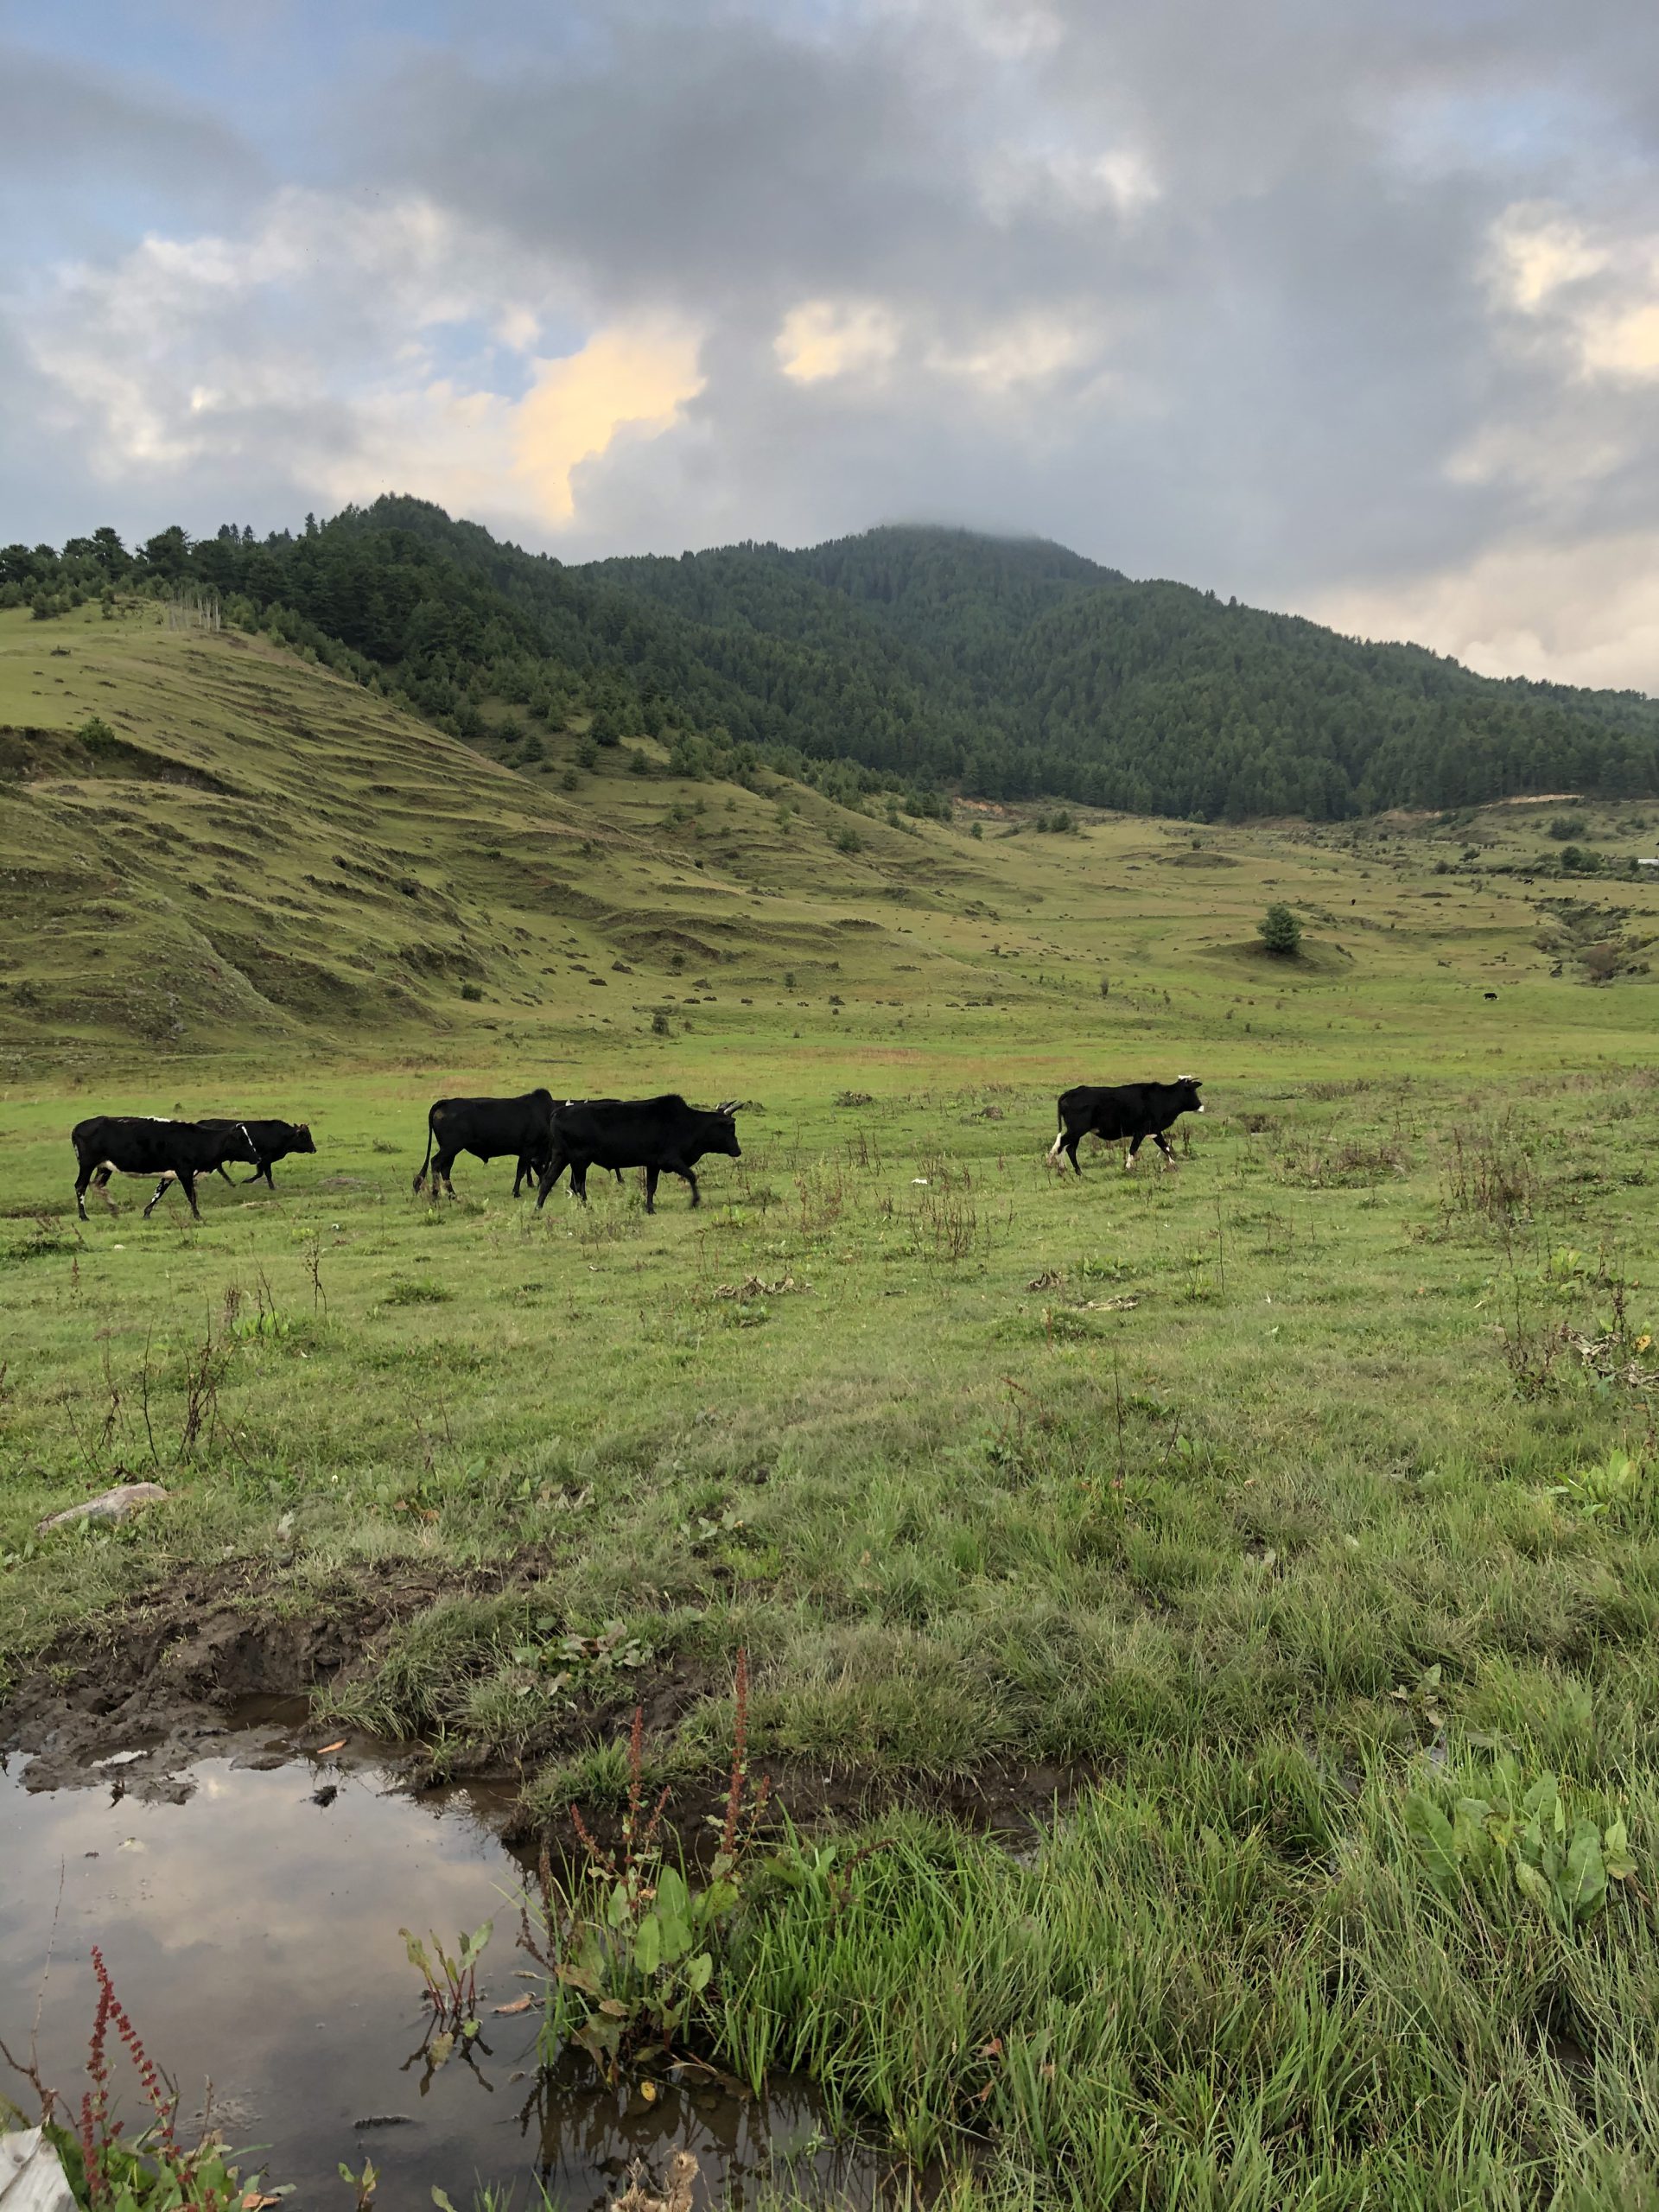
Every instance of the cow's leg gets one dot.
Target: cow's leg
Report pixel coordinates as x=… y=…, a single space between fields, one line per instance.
x=441 y=1163
x=550 y=1174
x=1073 y=1139
x=82 y=1179
x=1166 y=1148
x=159 y=1194
x=219 y=1170
x=523 y=1169
x=187 y=1185
x=653 y=1175
x=262 y=1170
x=690 y=1177
x=579 y=1179
x=1135 y=1144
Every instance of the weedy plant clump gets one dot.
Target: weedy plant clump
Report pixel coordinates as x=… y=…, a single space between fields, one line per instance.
x=1618 y=1485
x=451 y=1980
x=153 y=2169
x=1560 y=1859
x=630 y=1947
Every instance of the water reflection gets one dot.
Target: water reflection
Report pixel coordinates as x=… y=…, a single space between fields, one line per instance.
x=252 y=1933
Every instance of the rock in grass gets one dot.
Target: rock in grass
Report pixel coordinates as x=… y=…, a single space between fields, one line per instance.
x=117 y=1504
x=32 y=2176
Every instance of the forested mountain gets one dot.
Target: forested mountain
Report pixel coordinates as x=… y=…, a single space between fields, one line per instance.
x=926 y=659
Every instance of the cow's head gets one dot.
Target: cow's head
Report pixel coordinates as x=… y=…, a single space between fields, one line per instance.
x=302 y=1141
x=722 y=1130
x=1188 y=1087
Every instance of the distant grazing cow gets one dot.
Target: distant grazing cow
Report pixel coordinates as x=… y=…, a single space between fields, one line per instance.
x=133 y=1144
x=488 y=1127
x=662 y=1136
x=1126 y=1112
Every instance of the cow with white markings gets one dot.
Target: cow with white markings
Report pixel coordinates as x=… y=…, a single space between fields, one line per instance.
x=139 y=1144
x=1123 y=1113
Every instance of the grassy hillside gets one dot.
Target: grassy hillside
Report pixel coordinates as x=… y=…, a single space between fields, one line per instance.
x=1242 y=1511
x=255 y=849
x=909 y=660
x=251 y=848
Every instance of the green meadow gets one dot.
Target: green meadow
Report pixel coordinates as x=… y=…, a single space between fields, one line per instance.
x=1137 y=1572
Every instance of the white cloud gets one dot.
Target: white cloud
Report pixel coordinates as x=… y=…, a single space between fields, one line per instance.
x=820 y=339
x=629 y=381
x=1027 y=349
x=320 y=335
x=835 y=338
x=1537 y=250
x=1575 y=330
x=1597 y=291
x=1119 y=180
x=1578 y=612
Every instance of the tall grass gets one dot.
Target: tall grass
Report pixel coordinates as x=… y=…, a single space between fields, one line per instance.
x=1224 y=1982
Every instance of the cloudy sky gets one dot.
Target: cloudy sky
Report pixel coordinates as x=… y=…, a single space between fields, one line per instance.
x=1349 y=306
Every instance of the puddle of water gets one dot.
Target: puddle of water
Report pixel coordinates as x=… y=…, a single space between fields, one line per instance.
x=252 y=1935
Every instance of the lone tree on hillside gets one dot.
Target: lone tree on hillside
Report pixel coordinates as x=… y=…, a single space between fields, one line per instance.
x=1281 y=931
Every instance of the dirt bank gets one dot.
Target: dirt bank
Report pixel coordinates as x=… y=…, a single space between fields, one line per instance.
x=163 y=1674
x=135 y=1698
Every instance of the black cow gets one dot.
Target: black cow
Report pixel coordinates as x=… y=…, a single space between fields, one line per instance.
x=662 y=1136
x=616 y=1173
x=135 y=1144
x=271 y=1141
x=1129 y=1112
x=488 y=1127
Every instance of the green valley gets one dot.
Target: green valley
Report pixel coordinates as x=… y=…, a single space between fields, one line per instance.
x=1141 y=1576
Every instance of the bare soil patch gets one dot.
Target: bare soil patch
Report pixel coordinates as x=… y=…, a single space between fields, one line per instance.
x=164 y=1670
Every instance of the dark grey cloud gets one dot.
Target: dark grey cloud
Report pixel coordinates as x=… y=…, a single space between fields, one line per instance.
x=70 y=125
x=1299 y=312
x=713 y=163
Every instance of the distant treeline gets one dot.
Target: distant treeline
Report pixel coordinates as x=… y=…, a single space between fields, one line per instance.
x=920 y=660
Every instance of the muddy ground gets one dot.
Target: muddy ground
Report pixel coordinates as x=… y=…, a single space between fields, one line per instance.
x=138 y=1696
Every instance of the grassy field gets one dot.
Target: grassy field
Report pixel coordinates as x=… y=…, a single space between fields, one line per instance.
x=1242 y=1510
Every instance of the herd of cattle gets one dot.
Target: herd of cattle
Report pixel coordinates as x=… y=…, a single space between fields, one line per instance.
x=543 y=1136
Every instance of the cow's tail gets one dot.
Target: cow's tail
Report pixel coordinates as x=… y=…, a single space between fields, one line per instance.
x=431 y=1133
x=1054 y=1149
